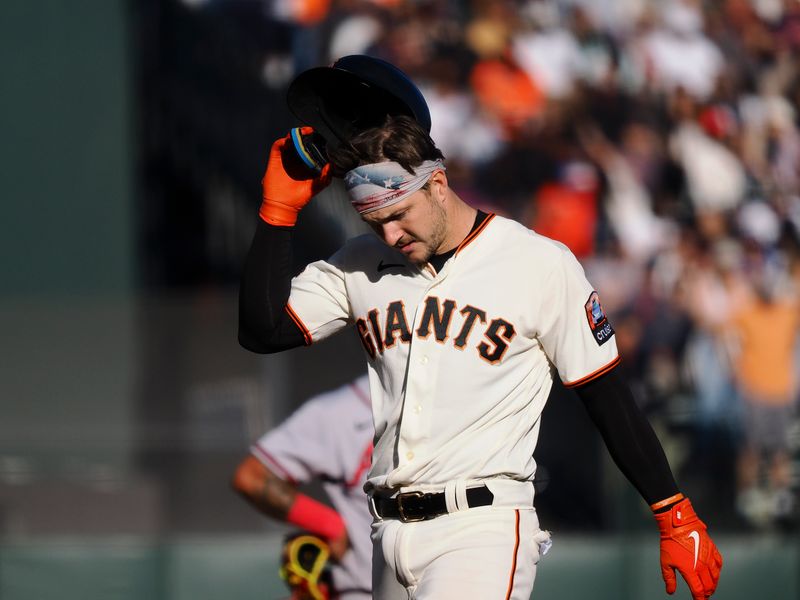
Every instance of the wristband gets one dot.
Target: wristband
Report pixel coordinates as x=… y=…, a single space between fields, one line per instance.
x=666 y=502
x=278 y=214
x=315 y=517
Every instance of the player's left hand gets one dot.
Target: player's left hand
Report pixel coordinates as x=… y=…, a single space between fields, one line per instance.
x=687 y=547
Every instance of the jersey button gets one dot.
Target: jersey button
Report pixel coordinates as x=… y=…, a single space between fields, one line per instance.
x=418 y=408
x=424 y=360
x=410 y=455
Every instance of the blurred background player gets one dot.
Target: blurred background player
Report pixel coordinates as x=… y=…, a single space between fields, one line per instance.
x=328 y=439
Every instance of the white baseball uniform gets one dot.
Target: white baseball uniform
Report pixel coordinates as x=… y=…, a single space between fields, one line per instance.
x=329 y=438
x=460 y=366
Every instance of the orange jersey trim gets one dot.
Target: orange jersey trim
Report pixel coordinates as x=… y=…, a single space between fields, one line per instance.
x=300 y=325
x=593 y=376
x=514 y=560
x=475 y=233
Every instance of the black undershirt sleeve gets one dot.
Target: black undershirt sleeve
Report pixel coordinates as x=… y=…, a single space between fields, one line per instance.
x=264 y=325
x=628 y=436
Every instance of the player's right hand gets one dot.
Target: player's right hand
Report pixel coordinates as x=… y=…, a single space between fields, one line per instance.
x=687 y=547
x=288 y=185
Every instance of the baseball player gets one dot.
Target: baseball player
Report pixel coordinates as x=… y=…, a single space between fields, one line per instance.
x=329 y=438
x=465 y=318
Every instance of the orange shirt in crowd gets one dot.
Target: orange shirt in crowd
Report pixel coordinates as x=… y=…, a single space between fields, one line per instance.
x=507 y=93
x=568 y=215
x=310 y=12
x=765 y=362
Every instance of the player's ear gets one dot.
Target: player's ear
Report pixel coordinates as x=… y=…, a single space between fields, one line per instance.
x=438 y=185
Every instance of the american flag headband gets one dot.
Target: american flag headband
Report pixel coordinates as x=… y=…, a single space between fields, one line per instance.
x=378 y=185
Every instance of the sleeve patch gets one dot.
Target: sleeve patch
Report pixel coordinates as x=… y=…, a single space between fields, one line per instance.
x=598 y=323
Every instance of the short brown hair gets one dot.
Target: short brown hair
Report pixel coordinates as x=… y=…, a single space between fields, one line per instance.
x=400 y=139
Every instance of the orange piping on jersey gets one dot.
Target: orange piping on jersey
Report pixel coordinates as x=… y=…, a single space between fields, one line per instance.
x=593 y=376
x=514 y=561
x=300 y=325
x=475 y=233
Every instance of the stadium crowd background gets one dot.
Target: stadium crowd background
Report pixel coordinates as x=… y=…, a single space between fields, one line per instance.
x=658 y=140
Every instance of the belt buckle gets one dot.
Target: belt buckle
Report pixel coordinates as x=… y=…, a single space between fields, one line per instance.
x=403 y=517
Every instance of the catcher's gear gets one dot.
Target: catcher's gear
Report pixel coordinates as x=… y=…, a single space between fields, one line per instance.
x=288 y=184
x=687 y=547
x=355 y=93
x=305 y=568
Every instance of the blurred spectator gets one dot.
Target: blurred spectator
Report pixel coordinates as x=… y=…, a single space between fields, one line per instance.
x=715 y=176
x=355 y=33
x=302 y=12
x=712 y=290
x=677 y=53
x=304 y=17
x=462 y=130
x=548 y=51
x=504 y=91
x=566 y=209
x=766 y=329
x=640 y=232
x=617 y=17
x=598 y=58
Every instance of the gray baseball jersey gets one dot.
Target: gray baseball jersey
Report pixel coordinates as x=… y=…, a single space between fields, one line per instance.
x=330 y=438
x=460 y=361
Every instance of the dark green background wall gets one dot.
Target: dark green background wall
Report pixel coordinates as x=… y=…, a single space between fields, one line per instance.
x=66 y=249
x=65 y=138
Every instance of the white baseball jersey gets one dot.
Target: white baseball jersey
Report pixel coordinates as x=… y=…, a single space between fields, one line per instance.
x=330 y=438
x=460 y=361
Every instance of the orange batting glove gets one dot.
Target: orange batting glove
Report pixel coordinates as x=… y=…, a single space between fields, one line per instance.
x=288 y=185
x=687 y=547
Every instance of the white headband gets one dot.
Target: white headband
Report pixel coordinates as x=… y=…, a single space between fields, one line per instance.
x=378 y=185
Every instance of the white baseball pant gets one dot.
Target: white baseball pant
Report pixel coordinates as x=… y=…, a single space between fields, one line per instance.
x=487 y=552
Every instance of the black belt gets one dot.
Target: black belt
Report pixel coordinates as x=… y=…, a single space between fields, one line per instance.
x=416 y=506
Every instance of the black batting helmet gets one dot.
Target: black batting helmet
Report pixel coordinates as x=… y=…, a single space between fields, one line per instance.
x=353 y=94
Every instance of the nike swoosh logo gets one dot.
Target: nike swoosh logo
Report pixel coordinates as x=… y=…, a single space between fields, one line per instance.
x=696 y=537
x=382 y=266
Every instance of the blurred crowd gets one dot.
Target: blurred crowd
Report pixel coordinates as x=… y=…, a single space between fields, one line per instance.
x=660 y=142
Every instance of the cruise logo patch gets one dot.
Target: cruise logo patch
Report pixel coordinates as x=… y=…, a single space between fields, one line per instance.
x=598 y=323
